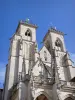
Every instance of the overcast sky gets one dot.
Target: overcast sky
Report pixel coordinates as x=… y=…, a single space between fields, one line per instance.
x=44 y=13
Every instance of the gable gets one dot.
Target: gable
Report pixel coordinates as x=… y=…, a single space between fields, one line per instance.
x=42 y=73
x=44 y=53
x=36 y=69
x=41 y=68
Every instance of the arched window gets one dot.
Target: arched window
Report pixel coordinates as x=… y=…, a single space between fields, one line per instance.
x=59 y=44
x=28 y=34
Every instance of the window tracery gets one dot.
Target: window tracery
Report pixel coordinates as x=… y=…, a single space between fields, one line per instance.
x=59 y=44
x=28 y=34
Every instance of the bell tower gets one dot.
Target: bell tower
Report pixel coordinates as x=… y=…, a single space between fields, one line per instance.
x=54 y=41
x=21 y=56
x=27 y=44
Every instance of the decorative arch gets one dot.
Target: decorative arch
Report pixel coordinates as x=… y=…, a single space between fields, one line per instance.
x=28 y=34
x=59 y=44
x=42 y=93
x=42 y=97
x=69 y=97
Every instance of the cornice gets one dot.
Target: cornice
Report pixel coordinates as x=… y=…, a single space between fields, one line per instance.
x=54 y=31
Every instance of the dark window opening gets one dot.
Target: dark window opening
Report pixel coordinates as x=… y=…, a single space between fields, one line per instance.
x=45 y=59
x=26 y=34
x=45 y=55
x=44 y=51
x=29 y=34
x=57 y=43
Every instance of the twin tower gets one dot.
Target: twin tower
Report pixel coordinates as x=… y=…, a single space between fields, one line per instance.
x=47 y=74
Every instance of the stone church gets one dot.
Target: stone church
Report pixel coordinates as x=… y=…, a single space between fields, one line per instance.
x=31 y=74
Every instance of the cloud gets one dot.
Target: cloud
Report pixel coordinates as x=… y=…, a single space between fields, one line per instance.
x=2 y=73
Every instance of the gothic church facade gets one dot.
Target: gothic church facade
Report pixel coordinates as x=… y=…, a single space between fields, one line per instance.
x=47 y=74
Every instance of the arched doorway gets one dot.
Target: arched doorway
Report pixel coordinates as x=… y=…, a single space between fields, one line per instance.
x=41 y=97
x=69 y=98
